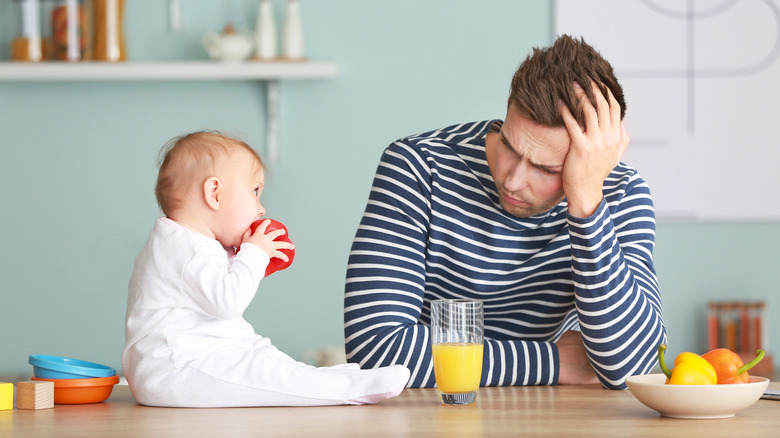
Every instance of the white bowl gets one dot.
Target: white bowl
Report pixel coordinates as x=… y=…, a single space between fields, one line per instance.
x=695 y=401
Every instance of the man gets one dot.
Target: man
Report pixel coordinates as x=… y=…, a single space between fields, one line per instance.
x=535 y=216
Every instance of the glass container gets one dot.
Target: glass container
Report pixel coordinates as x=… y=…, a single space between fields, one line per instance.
x=71 y=30
x=108 y=17
x=28 y=46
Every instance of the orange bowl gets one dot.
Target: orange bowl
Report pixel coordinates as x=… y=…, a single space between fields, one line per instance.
x=82 y=391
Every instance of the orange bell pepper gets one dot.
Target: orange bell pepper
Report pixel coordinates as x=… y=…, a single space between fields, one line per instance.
x=689 y=369
x=729 y=365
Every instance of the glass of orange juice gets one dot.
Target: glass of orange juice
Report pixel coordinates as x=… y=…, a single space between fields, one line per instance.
x=456 y=339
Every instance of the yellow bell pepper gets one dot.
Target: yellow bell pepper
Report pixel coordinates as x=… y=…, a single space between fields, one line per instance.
x=689 y=369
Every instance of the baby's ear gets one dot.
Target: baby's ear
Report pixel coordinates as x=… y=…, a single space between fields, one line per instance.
x=212 y=192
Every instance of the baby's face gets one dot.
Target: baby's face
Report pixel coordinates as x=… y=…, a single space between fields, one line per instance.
x=244 y=181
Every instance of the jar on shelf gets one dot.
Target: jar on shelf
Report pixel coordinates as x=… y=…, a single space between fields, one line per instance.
x=71 y=30
x=292 y=32
x=28 y=46
x=265 y=31
x=108 y=17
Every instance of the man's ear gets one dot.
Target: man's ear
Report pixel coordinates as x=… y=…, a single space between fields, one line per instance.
x=212 y=192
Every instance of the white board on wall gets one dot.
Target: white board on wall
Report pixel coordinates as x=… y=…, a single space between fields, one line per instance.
x=702 y=86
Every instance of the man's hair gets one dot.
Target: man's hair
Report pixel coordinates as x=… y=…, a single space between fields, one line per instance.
x=547 y=75
x=188 y=160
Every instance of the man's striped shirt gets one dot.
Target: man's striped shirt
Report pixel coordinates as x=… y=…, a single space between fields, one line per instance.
x=433 y=228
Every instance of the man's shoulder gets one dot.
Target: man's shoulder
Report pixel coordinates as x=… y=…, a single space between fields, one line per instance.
x=452 y=134
x=624 y=174
x=454 y=140
x=625 y=186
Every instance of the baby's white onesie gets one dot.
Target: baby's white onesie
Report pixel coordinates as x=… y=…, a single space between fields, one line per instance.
x=188 y=345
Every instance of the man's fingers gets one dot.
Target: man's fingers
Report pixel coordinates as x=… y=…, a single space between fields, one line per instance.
x=575 y=131
x=614 y=111
x=589 y=112
x=602 y=107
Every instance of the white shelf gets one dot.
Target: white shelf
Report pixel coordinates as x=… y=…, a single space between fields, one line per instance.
x=269 y=72
x=183 y=70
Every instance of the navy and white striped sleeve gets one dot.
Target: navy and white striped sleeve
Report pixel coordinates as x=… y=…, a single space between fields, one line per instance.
x=616 y=290
x=385 y=282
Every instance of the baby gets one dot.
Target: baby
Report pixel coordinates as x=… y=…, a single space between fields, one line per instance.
x=187 y=344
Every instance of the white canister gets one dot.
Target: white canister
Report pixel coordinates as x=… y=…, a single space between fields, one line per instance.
x=265 y=33
x=292 y=33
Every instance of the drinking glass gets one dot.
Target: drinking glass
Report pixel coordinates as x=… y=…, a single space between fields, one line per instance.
x=456 y=340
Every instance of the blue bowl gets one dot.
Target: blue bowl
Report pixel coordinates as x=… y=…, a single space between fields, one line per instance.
x=56 y=367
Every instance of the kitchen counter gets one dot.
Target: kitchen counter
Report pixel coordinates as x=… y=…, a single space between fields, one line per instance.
x=505 y=411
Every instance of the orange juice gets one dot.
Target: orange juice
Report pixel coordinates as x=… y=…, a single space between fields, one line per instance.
x=457 y=367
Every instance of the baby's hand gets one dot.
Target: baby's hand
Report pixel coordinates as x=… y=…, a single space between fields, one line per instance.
x=274 y=242
x=266 y=241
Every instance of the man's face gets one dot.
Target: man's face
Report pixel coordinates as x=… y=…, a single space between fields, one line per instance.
x=526 y=162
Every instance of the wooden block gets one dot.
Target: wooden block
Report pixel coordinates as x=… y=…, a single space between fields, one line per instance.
x=6 y=396
x=36 y=394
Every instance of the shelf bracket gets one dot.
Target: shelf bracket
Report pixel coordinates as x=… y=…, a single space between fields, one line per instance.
x=272 y=120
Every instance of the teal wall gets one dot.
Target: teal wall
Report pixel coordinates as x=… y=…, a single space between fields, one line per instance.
x=78 y=166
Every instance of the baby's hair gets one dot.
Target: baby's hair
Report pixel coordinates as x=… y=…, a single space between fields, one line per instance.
x=188 y=160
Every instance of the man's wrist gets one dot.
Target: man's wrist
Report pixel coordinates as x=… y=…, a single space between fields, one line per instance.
x=584 y=208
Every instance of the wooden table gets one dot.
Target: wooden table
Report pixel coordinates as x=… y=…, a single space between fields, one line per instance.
x=513 y=411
